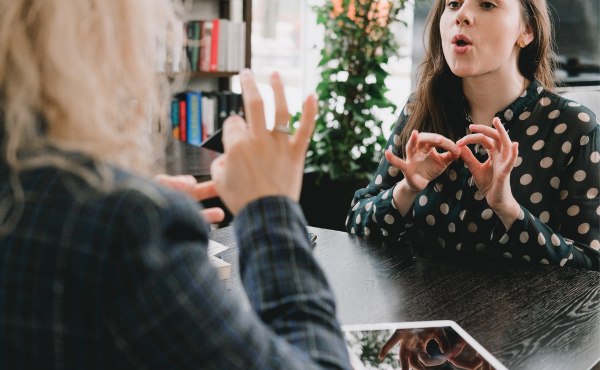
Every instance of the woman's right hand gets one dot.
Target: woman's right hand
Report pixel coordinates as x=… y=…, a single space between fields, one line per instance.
x=257 y=162
x=423 y=163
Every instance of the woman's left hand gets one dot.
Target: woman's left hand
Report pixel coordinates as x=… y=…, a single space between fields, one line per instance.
x=493 y=177
x=198 y=191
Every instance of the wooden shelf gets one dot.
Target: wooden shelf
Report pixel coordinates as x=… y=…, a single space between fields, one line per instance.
x=204 y=74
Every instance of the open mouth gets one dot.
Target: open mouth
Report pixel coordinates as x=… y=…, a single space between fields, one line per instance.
x=461 y=44
x=461 y=40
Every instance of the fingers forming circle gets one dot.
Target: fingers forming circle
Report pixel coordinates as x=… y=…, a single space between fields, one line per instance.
x=404 y=357
x=506 y=143
x=413 y=360
x=477 y=139
x=394 y=339
x=436 y=140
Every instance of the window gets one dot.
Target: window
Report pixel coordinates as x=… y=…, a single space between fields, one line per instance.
x=285 y=38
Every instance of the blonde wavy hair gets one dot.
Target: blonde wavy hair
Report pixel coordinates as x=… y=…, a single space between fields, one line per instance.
x=81 y=76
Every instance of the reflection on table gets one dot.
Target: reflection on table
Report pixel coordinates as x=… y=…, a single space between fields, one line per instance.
x=418 y=348
x=528 y=316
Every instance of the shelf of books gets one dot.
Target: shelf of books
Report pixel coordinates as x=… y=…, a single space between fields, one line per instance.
x=217 y=48
x=197 y=115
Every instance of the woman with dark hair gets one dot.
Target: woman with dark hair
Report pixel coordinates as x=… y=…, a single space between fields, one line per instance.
x=523 y=183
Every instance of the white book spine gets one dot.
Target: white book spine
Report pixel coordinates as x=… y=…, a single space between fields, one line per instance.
x=176 y=46
x=237 y=11
x=205 y=114
x=238 y=47
x=242 y=46
x=231 y=47
x=223 y=45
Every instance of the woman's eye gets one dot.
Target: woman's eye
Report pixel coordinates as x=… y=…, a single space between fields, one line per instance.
x=453 y=4
x=488 y=5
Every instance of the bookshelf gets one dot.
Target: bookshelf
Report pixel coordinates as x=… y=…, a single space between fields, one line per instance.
x=207 y=93
x=184 y=158
x=213 y=9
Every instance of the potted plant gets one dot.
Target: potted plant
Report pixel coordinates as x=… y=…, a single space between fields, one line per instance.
x=348 y=142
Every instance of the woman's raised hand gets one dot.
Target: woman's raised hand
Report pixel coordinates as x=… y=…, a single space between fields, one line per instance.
x=493 y=177
x=423 y=162
x=257 y=162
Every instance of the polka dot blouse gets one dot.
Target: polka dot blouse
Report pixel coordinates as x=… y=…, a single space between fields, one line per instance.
x=555 y=180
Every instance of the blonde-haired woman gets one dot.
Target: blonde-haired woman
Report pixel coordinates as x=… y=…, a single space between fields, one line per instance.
x=523 y=183
x=101 y=267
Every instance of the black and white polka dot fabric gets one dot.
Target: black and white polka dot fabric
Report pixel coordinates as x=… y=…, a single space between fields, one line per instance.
x=555 y=180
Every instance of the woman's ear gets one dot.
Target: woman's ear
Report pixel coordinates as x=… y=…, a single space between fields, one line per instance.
x=527 y=34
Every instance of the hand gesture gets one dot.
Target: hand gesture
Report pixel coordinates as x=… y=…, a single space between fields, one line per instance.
x=413 y=347
x=188 y=185
x=423 y=162
x=468 y=359
x=493 y=177
x=259 y=163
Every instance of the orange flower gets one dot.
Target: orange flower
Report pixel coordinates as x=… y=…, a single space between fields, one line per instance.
x=383 y=7
x=337 y=8
x=352 y=10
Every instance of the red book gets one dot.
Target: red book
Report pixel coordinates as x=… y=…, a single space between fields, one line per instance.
x=183 y=121
x=204 y=133
x=214 y=52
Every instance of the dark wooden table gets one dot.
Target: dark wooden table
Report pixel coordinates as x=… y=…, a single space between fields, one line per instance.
x=529 y=316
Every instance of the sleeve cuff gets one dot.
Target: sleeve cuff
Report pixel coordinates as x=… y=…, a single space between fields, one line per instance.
x=502 y=237
x=387 y=216
x=268 y=216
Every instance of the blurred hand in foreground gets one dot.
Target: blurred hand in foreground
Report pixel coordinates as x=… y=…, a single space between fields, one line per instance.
x=198 y=191
x=257 y=162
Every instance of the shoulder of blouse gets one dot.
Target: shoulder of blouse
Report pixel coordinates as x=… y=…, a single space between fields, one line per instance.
x=580 y=119
x=404 y=114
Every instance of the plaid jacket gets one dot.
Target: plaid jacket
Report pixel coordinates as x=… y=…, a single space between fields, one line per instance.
x=120 y=279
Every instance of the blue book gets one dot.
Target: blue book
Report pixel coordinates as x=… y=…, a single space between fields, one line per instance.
x=194 y=118
x=175 y=118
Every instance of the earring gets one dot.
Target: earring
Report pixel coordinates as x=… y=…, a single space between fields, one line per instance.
x=522 y=44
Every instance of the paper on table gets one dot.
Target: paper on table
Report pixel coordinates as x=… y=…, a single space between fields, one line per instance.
x=214 y=247
x=222 y=267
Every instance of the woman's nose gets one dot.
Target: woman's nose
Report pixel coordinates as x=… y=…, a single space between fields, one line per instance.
x=464 y=21
x=464 y=16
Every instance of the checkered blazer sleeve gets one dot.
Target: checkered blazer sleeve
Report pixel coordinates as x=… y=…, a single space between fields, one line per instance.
x=169 y=309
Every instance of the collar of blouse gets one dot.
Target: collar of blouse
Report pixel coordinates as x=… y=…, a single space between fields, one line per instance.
x=515 y=109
